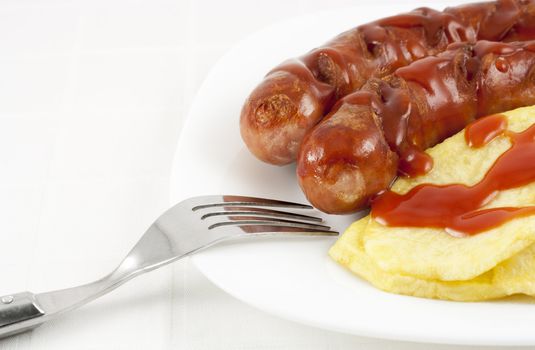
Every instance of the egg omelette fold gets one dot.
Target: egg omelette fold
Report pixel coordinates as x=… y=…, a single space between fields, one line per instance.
x=429 y=262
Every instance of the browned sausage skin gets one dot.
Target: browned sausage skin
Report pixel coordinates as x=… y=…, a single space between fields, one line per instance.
x=344 y=162
x=334 y=176
x=281 y=109
x=297 y=94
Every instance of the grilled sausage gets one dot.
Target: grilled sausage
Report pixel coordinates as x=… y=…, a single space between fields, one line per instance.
x=383 y=129
x=297 y=94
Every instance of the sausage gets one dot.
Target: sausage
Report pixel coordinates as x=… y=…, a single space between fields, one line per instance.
x=381 y=131
x=297 y=94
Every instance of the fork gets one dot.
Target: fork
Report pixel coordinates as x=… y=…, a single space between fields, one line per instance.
x=186 y=228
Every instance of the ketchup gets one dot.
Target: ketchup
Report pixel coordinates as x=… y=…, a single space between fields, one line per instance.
x=413 y=162
x=450 y=106
x=485 y=130
x=456 y=207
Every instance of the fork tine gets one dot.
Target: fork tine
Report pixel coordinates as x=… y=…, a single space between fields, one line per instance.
x=276 y=229
x=254 y=220
x=248 y=211
x=221 y=201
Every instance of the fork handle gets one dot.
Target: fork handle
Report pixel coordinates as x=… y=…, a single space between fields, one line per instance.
x=18 y=313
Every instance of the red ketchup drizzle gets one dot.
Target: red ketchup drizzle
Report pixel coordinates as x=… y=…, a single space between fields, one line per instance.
x=398 y=113
x=413 y=162
x=485 y=130
x=457 y=207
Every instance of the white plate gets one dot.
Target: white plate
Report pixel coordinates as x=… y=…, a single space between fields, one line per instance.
x=295 y=279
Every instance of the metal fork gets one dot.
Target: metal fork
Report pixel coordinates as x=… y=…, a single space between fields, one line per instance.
x=186 y=228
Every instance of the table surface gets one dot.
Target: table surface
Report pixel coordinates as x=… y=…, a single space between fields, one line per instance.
x=93 y=95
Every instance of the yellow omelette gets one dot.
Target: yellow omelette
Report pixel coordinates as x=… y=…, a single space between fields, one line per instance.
x=429 y=262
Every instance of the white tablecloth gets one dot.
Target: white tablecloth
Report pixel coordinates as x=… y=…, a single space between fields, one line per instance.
x=92 y=98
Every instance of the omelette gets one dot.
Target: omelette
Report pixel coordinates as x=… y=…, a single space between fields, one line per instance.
x=431 y=262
